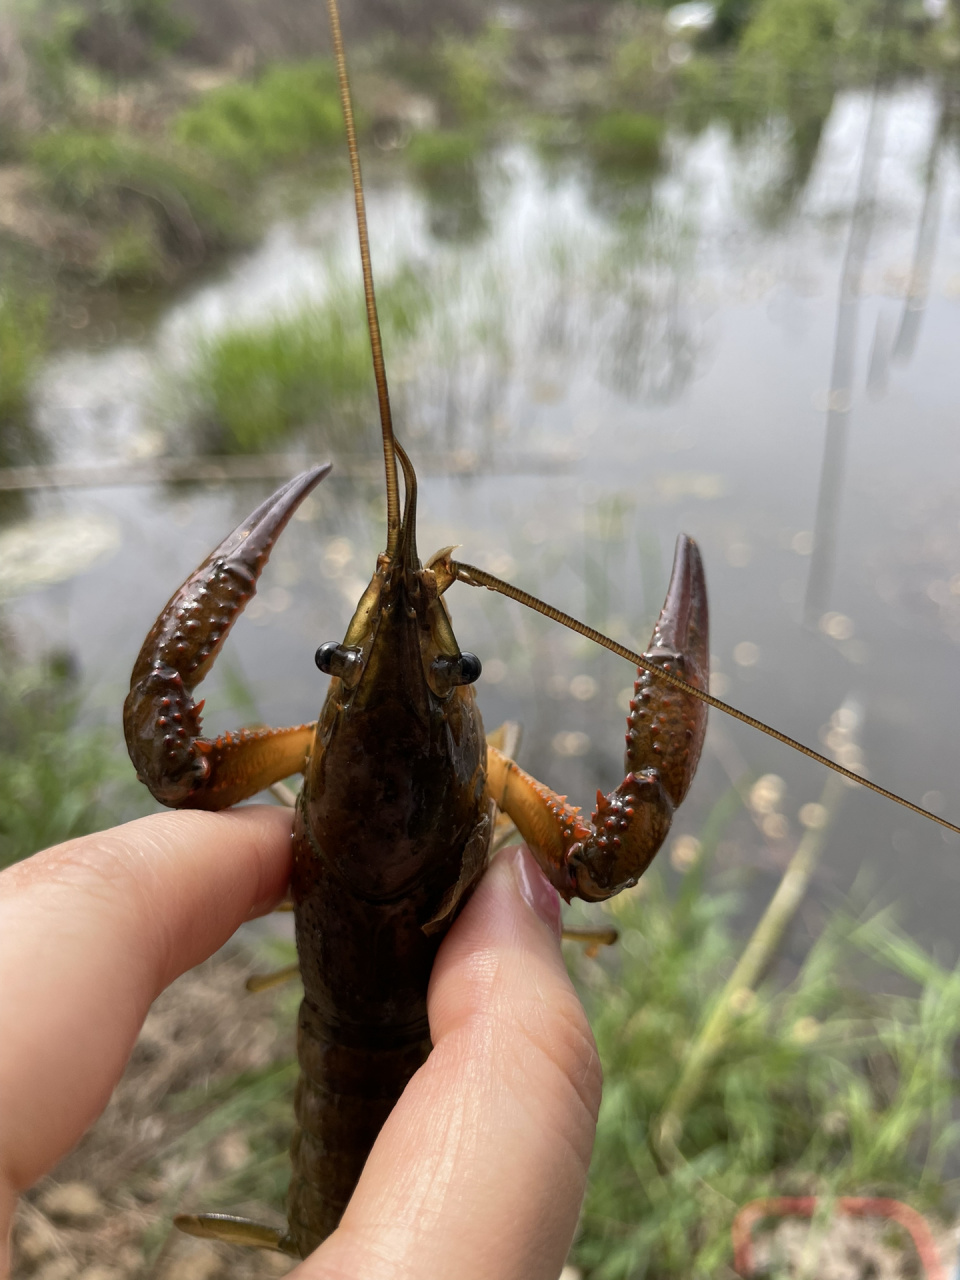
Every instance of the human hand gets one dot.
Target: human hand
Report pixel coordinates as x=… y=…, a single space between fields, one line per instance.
x=480 y=1169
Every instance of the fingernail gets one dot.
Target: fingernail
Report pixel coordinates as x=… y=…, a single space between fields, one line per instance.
x=537 y=892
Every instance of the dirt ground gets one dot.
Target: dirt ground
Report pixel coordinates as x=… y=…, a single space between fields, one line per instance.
x=105 y=1212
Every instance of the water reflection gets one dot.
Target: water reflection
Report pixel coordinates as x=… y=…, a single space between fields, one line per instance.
x=840 y=395
x=590 y=377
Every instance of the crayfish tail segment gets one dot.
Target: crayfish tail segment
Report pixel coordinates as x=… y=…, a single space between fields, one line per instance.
x=665 y=730
x=161 y=721
x=230 y=1230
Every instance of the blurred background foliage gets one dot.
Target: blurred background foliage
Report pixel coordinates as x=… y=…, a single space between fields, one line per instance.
x=143 y=140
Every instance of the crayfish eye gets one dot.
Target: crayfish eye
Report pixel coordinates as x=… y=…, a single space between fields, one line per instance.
x=340 y=660
x=448 y=672
x=470 y=668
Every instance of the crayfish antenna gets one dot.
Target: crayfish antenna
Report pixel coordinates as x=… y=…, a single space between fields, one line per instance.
x=373 y=319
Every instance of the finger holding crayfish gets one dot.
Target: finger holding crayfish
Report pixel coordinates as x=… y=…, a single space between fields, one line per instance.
x=92 y=930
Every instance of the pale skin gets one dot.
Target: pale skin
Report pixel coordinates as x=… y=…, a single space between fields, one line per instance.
x=480 y=1171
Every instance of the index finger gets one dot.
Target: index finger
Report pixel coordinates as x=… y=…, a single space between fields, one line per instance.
x=90 y=932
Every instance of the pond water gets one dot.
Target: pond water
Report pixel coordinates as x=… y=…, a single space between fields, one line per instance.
x=606 y=362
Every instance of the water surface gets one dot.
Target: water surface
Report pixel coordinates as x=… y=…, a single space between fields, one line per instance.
x=608 y=361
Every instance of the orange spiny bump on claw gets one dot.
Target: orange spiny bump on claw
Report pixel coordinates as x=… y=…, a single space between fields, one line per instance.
x=629 y=825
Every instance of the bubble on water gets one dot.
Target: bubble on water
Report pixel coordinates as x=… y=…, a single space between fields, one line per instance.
x=813 y=816
x=684 y=852
x=308 y=509
x=766 y=793
x=335 y=557
x=583 y=688
x=557 y=687
x=837 y=626
x=277 y=599
x=719 y=684
x=500 y=564
x=739 y=554
x=746 y=654
x=775 y=826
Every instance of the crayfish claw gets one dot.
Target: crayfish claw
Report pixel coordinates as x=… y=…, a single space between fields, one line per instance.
x=666 y=727
x=665 y=731
x=161 y=721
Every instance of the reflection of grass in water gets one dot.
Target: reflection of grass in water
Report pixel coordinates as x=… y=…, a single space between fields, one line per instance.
x=259 y=382
x=627 y=139
x=444 y=162
x=286 y=114
x=442 y=152
x=819 y=1087
x=788 y=47
x=23 y=329
x=58 y=778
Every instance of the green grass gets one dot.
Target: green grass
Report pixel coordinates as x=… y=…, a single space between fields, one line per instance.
x=820 y=1088
x=59 y=777
x=257 y=383
x=285 y=115
x=23 y=334
x=471 y=72
x=442 y=152
x=627 y=139
x=131 y=190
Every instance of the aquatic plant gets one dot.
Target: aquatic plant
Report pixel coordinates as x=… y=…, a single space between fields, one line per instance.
x=291 y=111
x=627 y=139
x=60 y=776
x=23 y=329
x=119 y=182
x=471 y=72
x=818 y=1086
x=788 y=49
x=257 y=382
x=436 y=153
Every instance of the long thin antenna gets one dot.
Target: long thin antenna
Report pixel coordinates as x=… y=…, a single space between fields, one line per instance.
x=480 y=578
x=373 y=320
